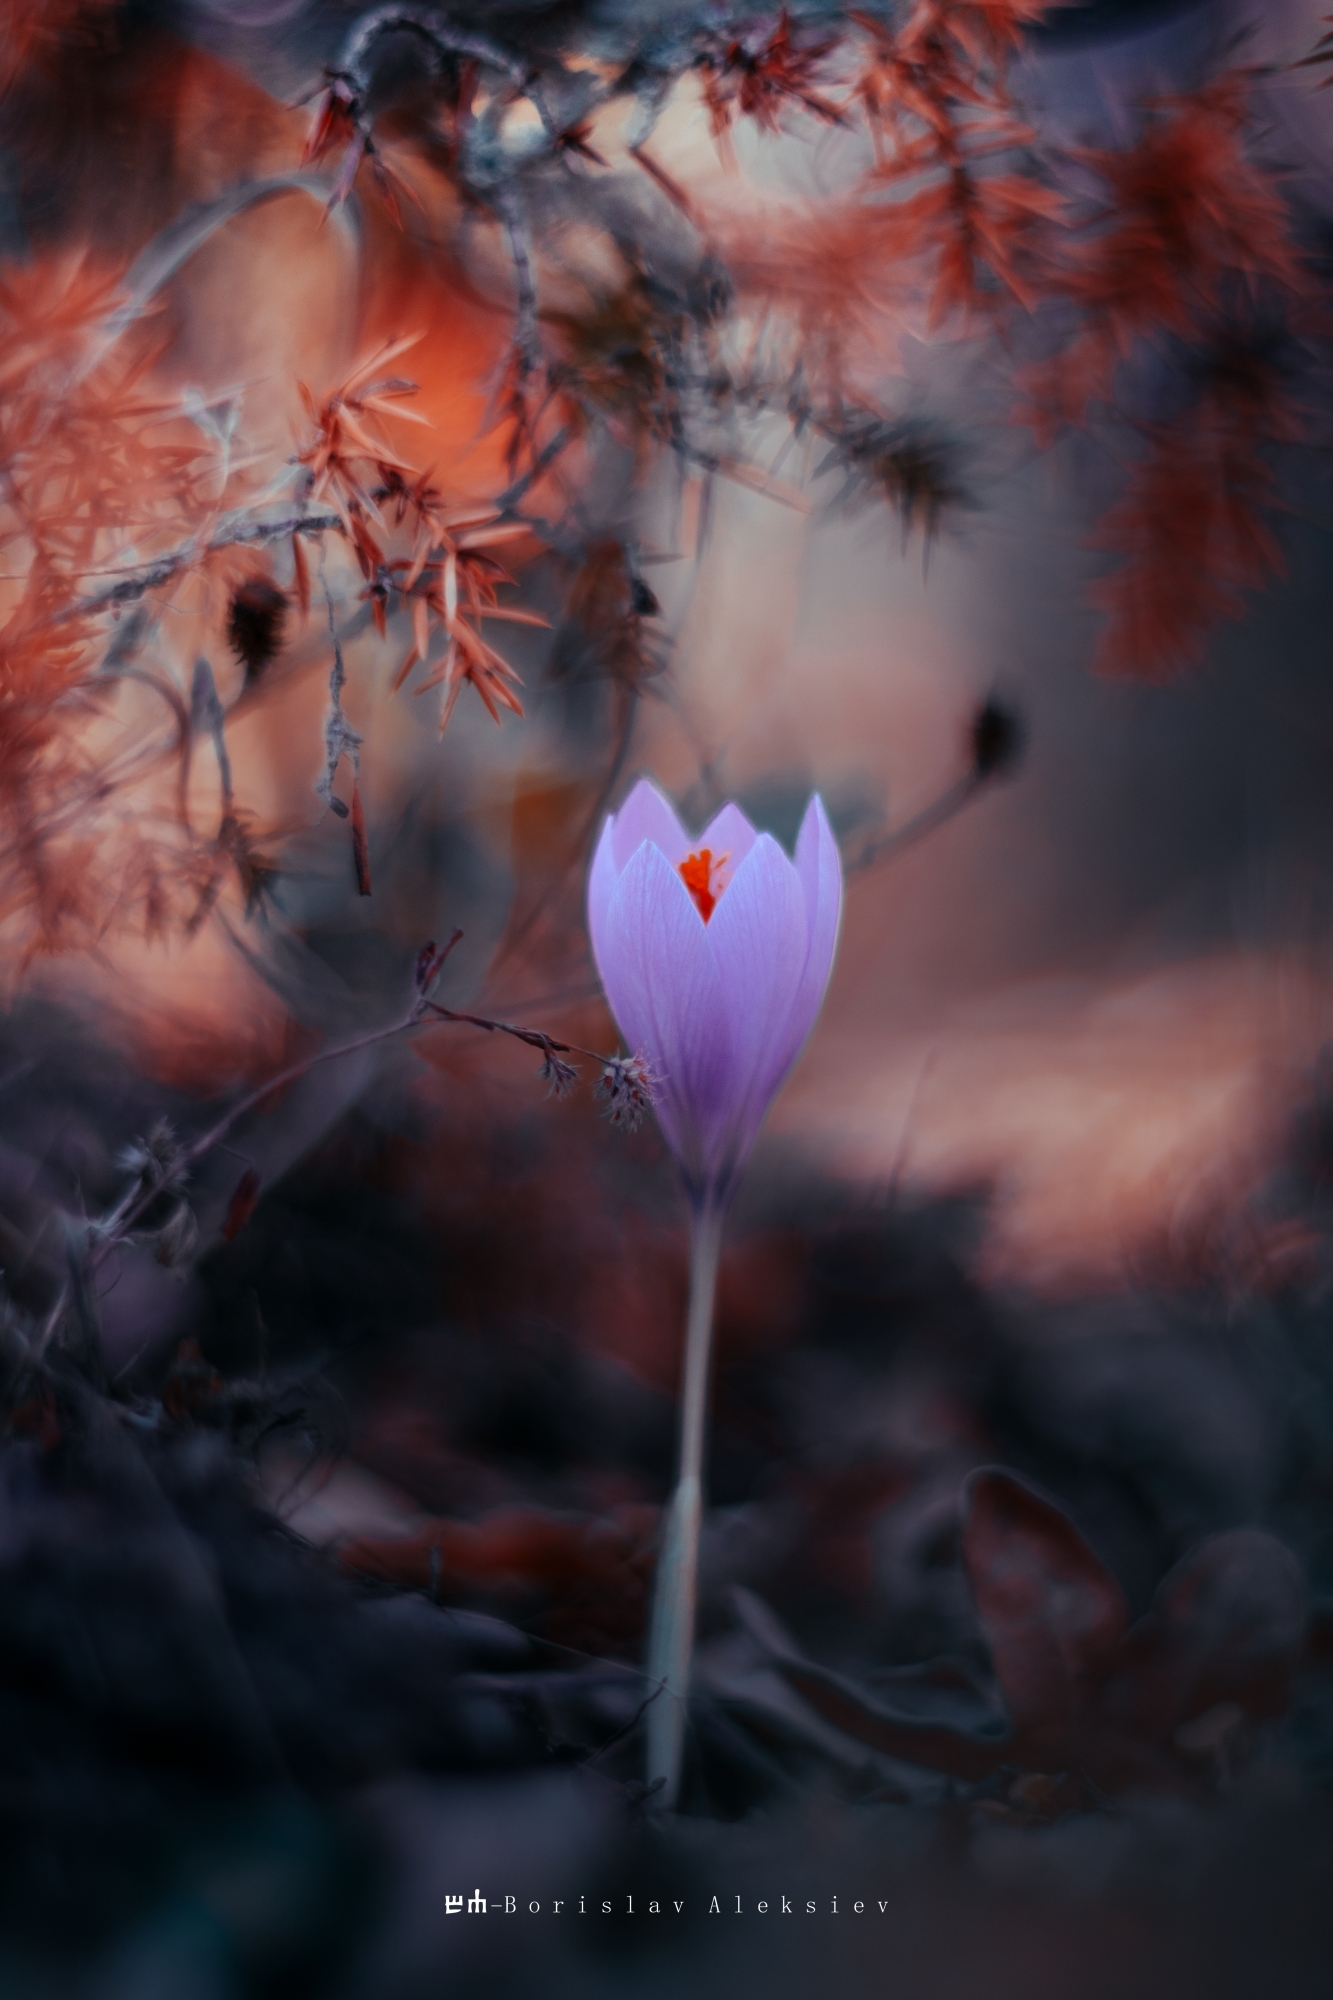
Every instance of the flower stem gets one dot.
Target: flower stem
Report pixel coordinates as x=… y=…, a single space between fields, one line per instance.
x=671 y=1632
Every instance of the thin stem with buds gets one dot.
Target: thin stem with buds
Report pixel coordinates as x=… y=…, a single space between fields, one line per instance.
x=112 y=1228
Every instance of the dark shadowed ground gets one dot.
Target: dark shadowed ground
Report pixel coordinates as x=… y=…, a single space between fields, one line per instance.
x=337 y=1614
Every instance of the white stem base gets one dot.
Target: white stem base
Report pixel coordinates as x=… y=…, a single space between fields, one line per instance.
x=671 y=1639
x=671 y=1630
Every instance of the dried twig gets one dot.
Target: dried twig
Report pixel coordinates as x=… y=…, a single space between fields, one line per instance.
x=996 y=744
x=624 y=1084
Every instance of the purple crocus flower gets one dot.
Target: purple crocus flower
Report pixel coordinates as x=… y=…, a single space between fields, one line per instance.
x=714 y=955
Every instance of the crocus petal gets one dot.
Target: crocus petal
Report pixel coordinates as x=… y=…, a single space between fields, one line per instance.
x=661 y=978
x=819 y=867
x=728 y=832
x=760 y=934
x=602 y=879
x=721 y=1009
x=646 y=815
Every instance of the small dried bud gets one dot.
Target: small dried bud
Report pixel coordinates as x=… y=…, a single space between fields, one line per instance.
x=255 y=623
x=157 y=1158
x=242 y=1205
x=559 y=1077
x=178 y=1238
x=997 y=740
x=626 y=1088
x=429 y=960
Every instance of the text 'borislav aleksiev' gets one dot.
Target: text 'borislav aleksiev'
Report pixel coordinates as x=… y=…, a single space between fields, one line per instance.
x=654 y=1906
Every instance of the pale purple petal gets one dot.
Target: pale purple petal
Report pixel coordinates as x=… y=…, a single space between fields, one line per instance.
x=819 y=867
x=760 y=935
x=720 y=1009
x=728 y=834
x=602 y=878
x=661 y=978
x=646 y=815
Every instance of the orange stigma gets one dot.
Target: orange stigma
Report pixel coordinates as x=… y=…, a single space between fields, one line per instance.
x=697 y=872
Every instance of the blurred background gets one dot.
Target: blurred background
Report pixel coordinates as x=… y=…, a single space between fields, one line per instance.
x=330 y=1491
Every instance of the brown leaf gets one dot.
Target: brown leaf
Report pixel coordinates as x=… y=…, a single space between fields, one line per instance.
x=872 y=1716
x=1226 y=1626
x=244 y=1201
x=592 y=1571
x=1052 y=1612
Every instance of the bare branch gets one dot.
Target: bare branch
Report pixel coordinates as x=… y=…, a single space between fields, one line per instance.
x=508 y=206
x=937 y=814
x=430 y=26
x=237 y=532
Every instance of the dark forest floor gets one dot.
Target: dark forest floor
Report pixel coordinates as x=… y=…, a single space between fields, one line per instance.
x=1016 y=1626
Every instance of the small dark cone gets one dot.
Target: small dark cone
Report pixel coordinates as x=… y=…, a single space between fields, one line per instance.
x=997 y=735
x=255 y=624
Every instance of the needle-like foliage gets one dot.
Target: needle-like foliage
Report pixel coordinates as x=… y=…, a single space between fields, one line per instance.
x=667 y=332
